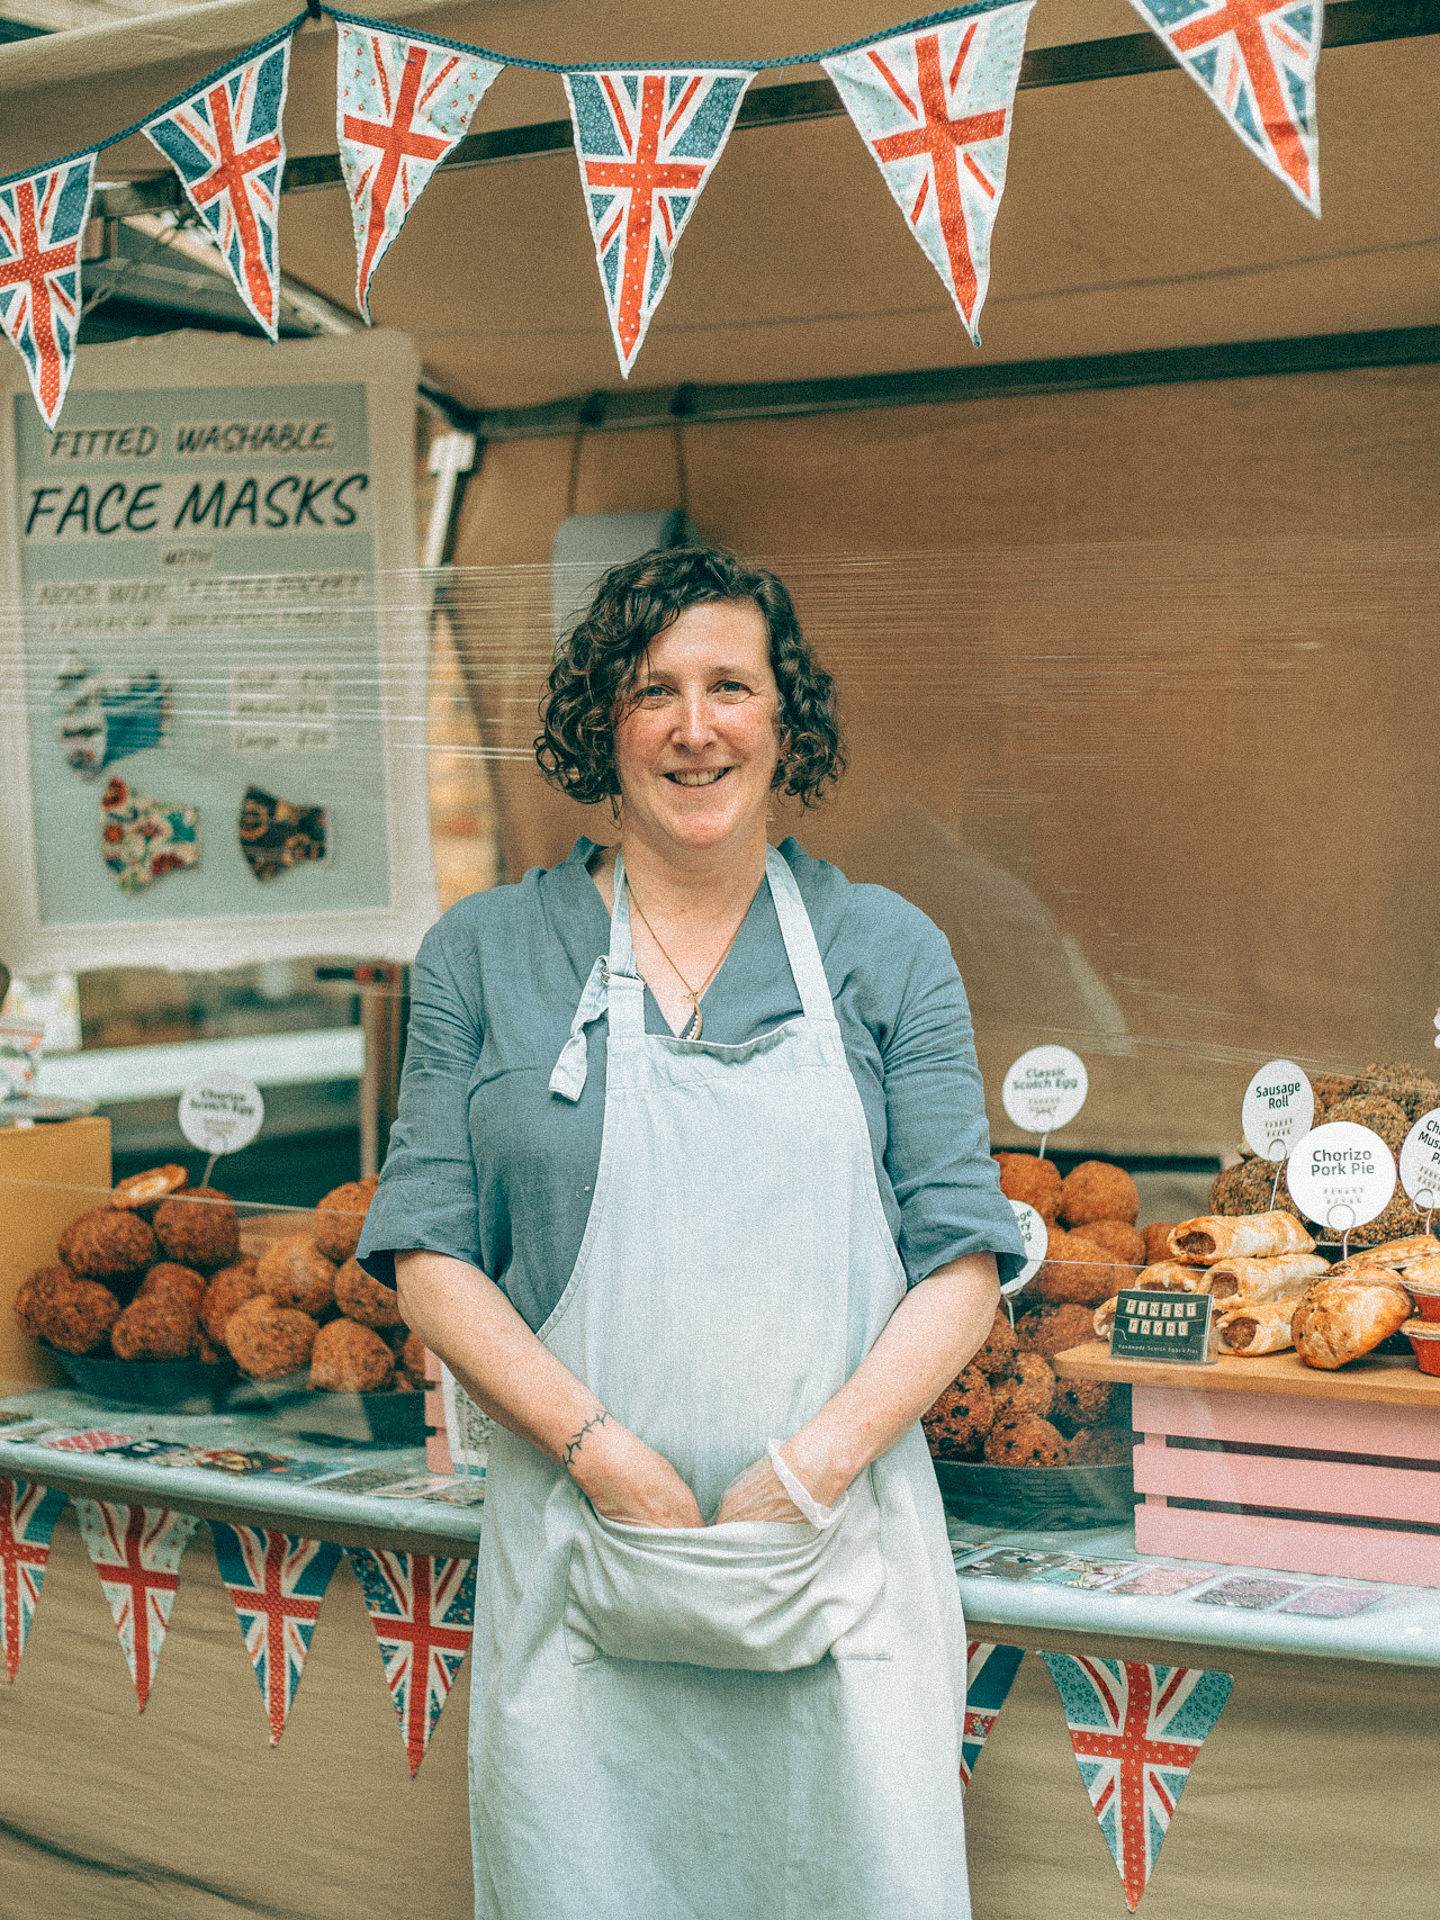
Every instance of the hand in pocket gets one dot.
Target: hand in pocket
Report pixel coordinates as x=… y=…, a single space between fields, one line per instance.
x=756 y=1494
x=629 y=1482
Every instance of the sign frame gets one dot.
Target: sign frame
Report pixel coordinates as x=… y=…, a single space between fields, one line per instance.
x=1188 y=1320
x=276 y=925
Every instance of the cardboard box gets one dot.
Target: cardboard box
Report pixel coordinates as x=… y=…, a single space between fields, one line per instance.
x=48 y=1176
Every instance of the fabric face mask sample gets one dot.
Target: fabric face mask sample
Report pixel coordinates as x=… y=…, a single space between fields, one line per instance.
x=101 y=717
x=141 y=838
x=275 y=834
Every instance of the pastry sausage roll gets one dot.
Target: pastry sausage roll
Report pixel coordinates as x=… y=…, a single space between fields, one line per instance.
x=1283 y=1277
x=1171 y=1276
x=1105 y=1318
x=1253 y=1236
x=1257 y=1326
x=1338 y=1320
x=1397 y=1253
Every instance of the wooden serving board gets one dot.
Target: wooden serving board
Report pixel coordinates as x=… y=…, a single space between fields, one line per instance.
x=1385 y=1381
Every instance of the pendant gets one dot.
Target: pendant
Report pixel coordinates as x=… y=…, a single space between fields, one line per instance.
x=697 y=1025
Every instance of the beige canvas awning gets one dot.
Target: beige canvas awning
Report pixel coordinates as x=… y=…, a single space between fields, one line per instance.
x=1132 y=218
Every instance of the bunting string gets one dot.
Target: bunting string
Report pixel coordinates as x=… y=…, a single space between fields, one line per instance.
x=933 y=100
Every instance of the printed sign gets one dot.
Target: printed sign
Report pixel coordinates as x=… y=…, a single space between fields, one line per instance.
x=1420 y=1161
x=1045 y=1089
x=1342 y=1175
x=221 y=1113
x=204 y=568
x=1034 y=1233
x=1169 y=1327
x=1278 y=1110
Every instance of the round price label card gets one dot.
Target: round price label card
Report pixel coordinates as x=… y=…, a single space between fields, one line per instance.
x=1035 y=1234
x=1278 y=1110
x=1341 y=1174
x=1045 y=1089
x=221 y=1113
x=1420 y=1161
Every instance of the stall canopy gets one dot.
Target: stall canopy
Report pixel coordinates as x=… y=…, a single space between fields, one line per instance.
x=1132 y=217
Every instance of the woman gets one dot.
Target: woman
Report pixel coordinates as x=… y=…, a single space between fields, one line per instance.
x=719 y=1659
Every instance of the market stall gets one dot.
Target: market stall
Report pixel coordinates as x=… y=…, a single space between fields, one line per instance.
x=1128 y=611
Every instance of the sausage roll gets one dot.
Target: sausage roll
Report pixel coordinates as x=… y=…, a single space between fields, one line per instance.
x=1257 y=1326
x=1285 y=1276
x=1252 y=1236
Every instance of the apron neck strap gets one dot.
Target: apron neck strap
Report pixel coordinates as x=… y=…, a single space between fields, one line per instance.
x=626 y=990
x=799 y=937
x=626 y=995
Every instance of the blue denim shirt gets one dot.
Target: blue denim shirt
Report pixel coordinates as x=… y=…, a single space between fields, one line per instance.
x=486 y=1164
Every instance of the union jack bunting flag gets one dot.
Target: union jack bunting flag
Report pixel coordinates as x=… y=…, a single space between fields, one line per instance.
x=934 y=108
x=648 y=143
x=27 y=1520
x=1256 y=59
x=423 y=1611
x=136 y=1552
x=92 y=1442
x=42 y=225
x=277 y=1582
x=989 y=1672
x=226 y=144
x=1136 y=1731
x=401 y=104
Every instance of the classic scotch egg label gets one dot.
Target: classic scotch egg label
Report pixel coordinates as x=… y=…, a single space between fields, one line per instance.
x=1045 y=1089
x=1341 y=1175
x=1278 y=1110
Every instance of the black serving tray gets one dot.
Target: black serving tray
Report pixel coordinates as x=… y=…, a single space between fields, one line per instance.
x=1042 y=1499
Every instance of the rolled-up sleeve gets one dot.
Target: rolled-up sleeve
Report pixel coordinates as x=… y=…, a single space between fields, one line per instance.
x=937 y=1155
x=427 y=1194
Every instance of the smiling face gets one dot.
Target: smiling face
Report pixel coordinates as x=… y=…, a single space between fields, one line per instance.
x=696 y=753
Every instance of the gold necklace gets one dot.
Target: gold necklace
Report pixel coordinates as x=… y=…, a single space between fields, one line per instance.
x=697 y=1025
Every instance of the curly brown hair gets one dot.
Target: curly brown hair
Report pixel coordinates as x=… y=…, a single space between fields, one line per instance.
x=595 y=669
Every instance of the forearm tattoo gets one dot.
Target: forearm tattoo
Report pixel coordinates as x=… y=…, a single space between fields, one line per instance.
x=577 y=1440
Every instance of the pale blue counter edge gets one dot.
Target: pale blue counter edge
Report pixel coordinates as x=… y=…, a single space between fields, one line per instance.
x=1402 y=1629
x=241 y=1492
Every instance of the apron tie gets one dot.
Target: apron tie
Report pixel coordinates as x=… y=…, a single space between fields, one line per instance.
x=568 y=1078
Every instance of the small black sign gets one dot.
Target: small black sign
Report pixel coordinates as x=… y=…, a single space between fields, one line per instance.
x=1169 y=1327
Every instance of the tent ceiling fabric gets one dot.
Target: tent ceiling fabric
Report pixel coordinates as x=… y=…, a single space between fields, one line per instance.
x=1133 y=217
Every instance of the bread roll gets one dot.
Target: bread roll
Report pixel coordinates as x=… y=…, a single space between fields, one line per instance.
x=1257 y=1326
x=1338 y=1320
x=1252 y=1236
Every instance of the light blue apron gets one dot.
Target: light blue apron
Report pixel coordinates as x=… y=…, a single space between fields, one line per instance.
x=757 y=1721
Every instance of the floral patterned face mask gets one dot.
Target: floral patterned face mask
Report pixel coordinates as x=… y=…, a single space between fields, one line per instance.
x=141 y=838
x=275 y=834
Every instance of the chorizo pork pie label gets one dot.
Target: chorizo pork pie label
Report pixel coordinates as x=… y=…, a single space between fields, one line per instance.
x=1278 y=1110
x=1033 y=1233
x=1420 y=1161
x=1045 y=1089
x=1341 y=1174
x=221 y=1113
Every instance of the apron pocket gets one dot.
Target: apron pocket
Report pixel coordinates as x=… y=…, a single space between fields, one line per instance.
x=763 y=1595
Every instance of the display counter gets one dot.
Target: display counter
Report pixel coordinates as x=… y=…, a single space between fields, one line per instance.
x=1329 y=1727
